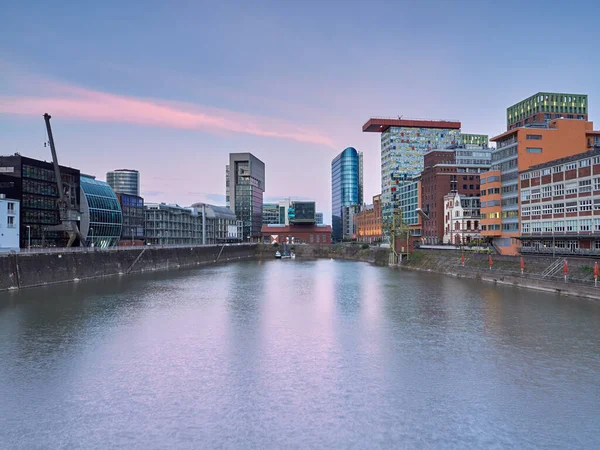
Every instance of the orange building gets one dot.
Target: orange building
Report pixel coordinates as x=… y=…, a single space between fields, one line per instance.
x=517 y=150
x=368 y=222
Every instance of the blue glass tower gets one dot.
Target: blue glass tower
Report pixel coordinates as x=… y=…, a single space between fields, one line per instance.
x=346 y=186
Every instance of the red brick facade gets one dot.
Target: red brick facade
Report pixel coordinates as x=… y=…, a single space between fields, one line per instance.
x=297 y=234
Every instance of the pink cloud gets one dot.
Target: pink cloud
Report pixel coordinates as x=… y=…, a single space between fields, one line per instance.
x=95 y=106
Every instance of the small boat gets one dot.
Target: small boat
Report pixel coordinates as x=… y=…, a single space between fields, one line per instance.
x=277 y=255
x=293 y=255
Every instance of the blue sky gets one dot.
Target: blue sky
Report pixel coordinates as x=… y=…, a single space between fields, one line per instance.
x=171 y=88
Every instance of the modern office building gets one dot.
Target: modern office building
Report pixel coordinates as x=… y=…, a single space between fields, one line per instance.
x=443 y=175
x=134 y=219
x=560 y=205
x=543 y=107
x=172 y=225
x=124 y=181
x=319 y=218
x=461 y=219
x=219 y=224
x=270 y=214
x=101 y=216
x=404 y=142
x=348 y=221
x=474 y=140
x=33 y=184
x=345 y=186
x=409 y=201
x=245 y=186
x=9 y=224
x=368 y=222
x=517 y=150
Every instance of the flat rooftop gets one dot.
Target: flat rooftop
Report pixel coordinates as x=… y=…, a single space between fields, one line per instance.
x=381 y=124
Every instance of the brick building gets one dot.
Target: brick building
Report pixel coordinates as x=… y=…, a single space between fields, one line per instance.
x=443 y=175
x=368 y=222
x=296 y=234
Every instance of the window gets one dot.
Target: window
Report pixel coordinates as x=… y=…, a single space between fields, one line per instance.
x=559 y=208
x=547 y=227
x=597 y=160
x=559 y=189
x=584 y=163
x=535 y=194
x=557 y=169
x=571 y=207
x=464 y=186
x=585 y=225
x=597 y=184
x=525 y=228
x=10 y=222
x=571 y=226
x=524 y=176
x=525 y=211
x=585 y=205
x=547 y=208
x=596 y=224
x=585 y=186
x=571 y=166
x=536 y=210
x=534 y=137
x=11 y=208
x=536 y=227
x=571 y=188
x=559 y=225
x=546 y=172
x=546 y=191
x=533 y=150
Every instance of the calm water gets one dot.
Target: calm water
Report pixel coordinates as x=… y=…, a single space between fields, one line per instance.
x=314 y=354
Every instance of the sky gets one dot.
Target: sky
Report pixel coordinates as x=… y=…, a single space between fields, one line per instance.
x=171 y=88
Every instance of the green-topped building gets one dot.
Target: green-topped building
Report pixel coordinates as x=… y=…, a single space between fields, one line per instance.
x=545 y=106
x=478 y=140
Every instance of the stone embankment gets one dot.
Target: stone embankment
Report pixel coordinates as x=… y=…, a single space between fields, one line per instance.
x=507 y=270
x=21 y=270
x=374 y=255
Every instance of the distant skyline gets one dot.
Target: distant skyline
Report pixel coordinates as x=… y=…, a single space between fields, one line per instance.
x=171 y=89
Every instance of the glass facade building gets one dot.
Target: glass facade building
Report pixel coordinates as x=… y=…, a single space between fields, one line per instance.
x=101 y=216
x=134 y=219
x=124 y=181
x=346 y=186
x=245 y=186
x=402 y=151
x=545 y=106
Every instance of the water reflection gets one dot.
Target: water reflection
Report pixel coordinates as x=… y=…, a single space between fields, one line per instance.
x=311 y=354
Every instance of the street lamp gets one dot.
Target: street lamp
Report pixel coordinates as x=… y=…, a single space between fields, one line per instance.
x=28 y=237
x=92 y=237
x=132 y=229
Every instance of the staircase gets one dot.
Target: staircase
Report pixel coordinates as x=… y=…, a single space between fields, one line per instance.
x=553 y=268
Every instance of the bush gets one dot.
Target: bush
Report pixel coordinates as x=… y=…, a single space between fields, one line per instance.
x=364 y=246
x=275 y=244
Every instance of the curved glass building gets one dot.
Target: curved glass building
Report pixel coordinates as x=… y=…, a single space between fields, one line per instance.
x=346 y=186
x=124 y=181
x=101 y=216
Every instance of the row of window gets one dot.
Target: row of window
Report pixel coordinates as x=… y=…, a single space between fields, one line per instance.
x=560 y=189
x=561 y=168
x=561 y=207
x=561 y=226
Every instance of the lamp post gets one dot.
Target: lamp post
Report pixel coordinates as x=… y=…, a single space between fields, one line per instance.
x=132 y=229
x=92 y=237
x=28 y=238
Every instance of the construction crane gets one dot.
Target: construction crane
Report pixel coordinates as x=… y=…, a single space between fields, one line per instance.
x=69 y=215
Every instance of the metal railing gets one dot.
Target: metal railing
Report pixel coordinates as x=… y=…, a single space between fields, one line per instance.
x=111 y=249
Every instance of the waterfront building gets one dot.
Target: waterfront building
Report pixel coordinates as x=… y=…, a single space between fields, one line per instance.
x=543 y=107
x=124 y=181
x=443 y=175
x=368 y=222
x=101 y=216
x=409 y=202
x=560 y=205
x=219 y=224
x=33 y=183
x=134 y=218
x=172 y=225
x=517 y=150
x=461 y=219
x=9 y=224
x=319 y=218
x=404 y=143
x=245 y=186
x=296 y=234
x=349 y=221
x=474 y=140
x=346 y=185
x=270 y=214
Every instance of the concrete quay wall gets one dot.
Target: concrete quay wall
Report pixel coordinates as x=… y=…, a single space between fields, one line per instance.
x=22 y=270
